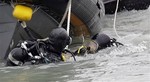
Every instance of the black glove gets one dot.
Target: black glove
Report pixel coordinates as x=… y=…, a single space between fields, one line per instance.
x=113 y=42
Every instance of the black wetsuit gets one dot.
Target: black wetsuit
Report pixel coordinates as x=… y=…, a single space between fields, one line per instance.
x=51 y=50
x=20 y=54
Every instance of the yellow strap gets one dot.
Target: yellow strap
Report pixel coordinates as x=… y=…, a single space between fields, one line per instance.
x=63 y=57
x=80 y=49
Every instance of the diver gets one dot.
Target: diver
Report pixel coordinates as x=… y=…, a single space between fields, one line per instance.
x=97 y=42
x=46 y=50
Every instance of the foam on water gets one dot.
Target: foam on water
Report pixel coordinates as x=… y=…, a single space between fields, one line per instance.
x=129 y=63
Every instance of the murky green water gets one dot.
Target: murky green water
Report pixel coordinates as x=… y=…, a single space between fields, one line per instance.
x=129 y=63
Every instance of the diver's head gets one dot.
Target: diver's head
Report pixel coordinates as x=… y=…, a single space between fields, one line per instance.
x=59 y=39
x=103 y=40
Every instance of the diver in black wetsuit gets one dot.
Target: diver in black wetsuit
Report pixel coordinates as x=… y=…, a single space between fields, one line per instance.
x=40 y=51
x=98 y=42
x=36 y=50
x=50 y=50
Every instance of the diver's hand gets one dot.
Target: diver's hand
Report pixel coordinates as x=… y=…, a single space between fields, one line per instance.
x=113 y=42
x=35 y=59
